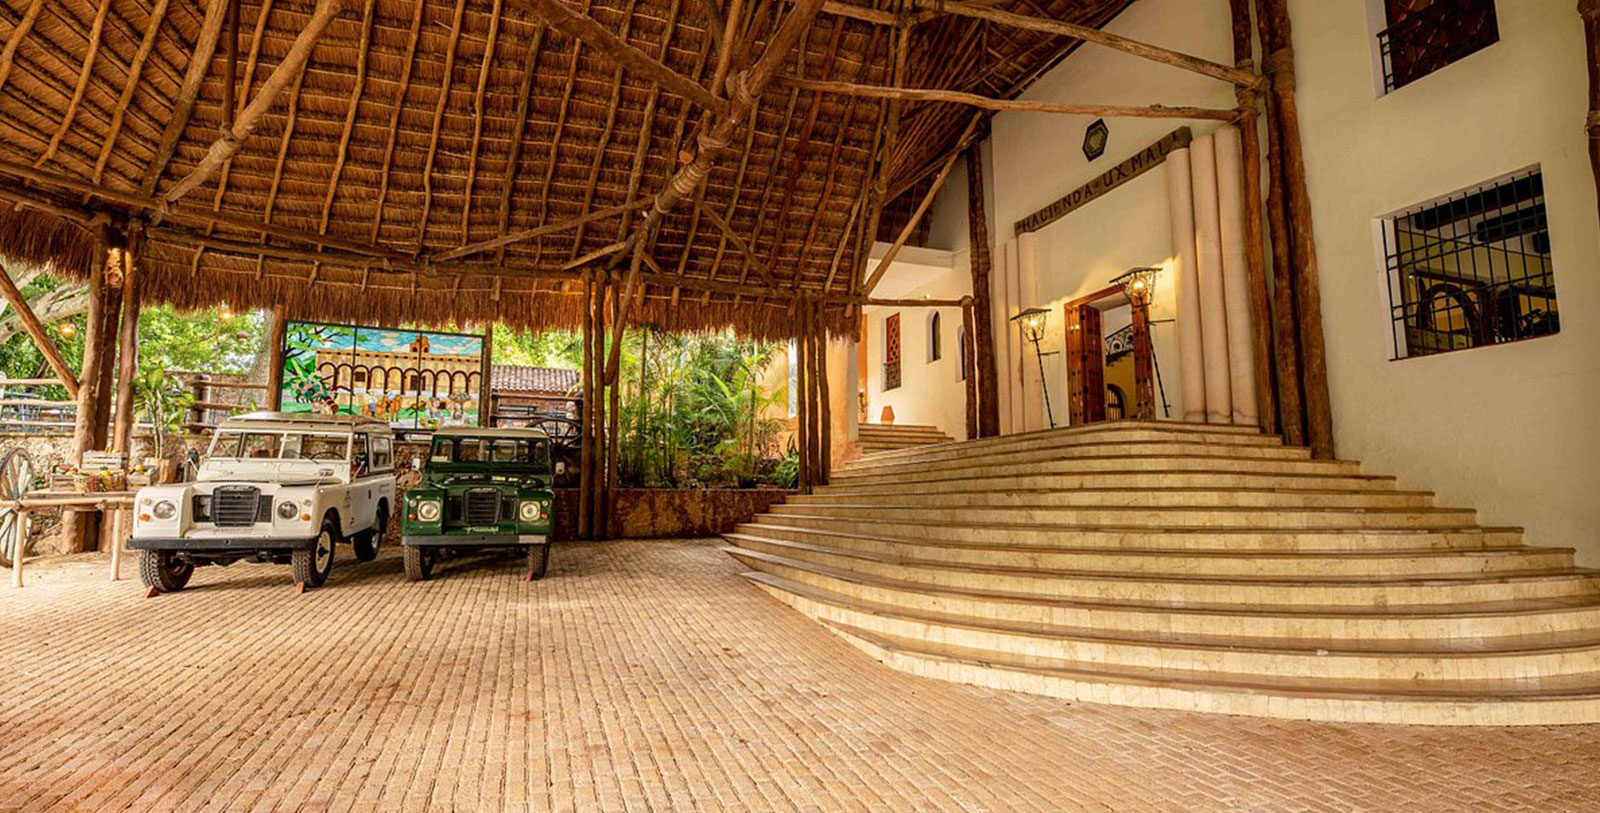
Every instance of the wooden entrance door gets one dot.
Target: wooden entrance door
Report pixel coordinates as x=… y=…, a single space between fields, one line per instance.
x=1086 y=378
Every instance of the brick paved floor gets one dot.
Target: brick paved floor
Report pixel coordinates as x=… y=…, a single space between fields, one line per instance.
x=638 y=676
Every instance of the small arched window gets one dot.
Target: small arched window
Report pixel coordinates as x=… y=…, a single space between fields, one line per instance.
x=935 y=351
x=961 y=352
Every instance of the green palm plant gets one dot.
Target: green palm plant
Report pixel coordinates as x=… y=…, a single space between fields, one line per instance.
x=163 y=400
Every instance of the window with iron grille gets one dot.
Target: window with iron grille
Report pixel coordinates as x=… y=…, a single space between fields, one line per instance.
x=1424 y=36
x=1471 y=269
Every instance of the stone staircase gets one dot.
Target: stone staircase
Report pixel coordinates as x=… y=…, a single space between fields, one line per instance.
x=1185 y=566
x=889 y=437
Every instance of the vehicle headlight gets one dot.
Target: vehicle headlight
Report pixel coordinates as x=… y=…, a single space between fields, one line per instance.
x=428 y=510
x=288 y=510
x=164 y=509
x=530 y=512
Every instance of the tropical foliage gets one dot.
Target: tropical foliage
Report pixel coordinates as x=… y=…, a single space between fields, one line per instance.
x=696 y=410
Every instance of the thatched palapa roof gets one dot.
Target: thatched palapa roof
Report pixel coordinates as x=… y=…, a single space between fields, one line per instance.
x=419 y=127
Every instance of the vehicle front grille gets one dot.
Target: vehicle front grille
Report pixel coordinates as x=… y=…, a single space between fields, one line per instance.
x=481 y=506
x=239 y=506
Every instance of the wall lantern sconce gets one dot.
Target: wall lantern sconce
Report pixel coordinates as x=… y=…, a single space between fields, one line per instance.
x=1138 y=284
x=1032 y=323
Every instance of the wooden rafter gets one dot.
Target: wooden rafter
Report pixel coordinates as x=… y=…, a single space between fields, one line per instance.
x=158 y=14
x=519 y=130
x=286 y=72
x=540 y=231
x=82 y=87
x=933 y=95
x=188 y=93
x=605 y=135
x=477 y=120
x=351 y=109
x=445 y=83
x=8 y=55
x=583 y=27
x=385 y=176
x=555 y=141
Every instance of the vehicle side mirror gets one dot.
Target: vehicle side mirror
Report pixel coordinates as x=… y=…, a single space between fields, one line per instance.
x=561 y=467
x=416 y=463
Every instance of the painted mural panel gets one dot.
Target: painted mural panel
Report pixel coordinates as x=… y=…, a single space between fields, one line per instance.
x=414 y=379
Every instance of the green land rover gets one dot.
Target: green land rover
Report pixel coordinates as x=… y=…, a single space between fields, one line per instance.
x=481 y=488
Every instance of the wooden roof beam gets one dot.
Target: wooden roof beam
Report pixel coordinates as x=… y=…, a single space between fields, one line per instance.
x=1154 y=53
x=540 y=231
x=287 y=72
x=983 y=102
x=599 y=37
x=188 y=93
x=9 y=54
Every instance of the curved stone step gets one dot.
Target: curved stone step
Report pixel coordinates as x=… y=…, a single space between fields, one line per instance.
x=1190 y=497
x=1331 y=662
x=1187 y=589
x=1099 y=434
x=1266 y=539
x=1224 y=562
x=1553 y=701
x=1118 y=463
x=1401 y=623
x=1153 y=517
x=1125 y=449
x=1219 y=433
x=1121 y=479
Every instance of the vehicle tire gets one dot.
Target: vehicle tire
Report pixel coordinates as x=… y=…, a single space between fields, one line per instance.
x=163 y=572
x=538 y=561
x=368 y=542
x=312 y=565
x=419 y=563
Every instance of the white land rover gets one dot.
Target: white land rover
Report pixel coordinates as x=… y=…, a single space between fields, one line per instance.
x=275 y=487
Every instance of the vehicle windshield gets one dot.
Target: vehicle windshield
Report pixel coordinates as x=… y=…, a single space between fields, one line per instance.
x=256 y=445
x=533 y=454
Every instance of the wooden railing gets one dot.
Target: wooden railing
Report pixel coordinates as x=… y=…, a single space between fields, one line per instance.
x=23 y=409
x=210 y=400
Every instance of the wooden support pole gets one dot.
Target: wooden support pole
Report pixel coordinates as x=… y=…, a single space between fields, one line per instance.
x=586 y=435
x=802 y=400
x=1286 y=354
x=128 y=342
x=277 y=336
x=612 y=528
x=602 y=504
x=1272 y=16
x=618 y=50
x=77 y=527
x=36 y=331
x=983 y=379
x=285 y=74
x=969 y=368
x=1019 y=105
x=1254 y=236
x=922 y=208
x=1590 y=10
x=22 y=546
x=824 y=404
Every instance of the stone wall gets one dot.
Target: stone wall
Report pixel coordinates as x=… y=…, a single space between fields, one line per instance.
x=668 y=513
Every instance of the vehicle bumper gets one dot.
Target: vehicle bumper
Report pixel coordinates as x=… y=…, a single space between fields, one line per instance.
x=472 y=540
x=222 y=544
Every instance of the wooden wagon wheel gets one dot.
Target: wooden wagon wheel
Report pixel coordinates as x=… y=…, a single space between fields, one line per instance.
x=16 y=479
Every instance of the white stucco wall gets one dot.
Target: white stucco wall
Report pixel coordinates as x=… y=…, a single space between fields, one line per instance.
x=1510 y=430
x=930 y=393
